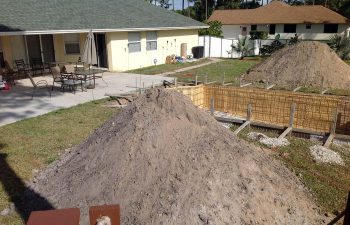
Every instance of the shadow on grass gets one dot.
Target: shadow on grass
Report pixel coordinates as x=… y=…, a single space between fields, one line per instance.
x=25 y=199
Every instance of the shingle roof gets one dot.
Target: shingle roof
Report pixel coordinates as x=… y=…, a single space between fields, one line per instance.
x=52 y=15
x=278 y=13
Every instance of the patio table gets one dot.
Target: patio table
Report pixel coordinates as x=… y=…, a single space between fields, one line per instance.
x=90 y=74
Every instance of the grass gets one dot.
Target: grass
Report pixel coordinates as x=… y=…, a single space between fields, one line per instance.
x=232 y=68
x=152 y=70
x=329 y=184
x=33 y=143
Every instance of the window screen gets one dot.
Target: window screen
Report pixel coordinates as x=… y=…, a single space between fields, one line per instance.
x=331 y=28
x=134 y=39
x=71 y=43
x=151 y=41
x=290 y=28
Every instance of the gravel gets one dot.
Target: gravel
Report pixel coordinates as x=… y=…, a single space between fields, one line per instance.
x=325 y=155
x=269 y=142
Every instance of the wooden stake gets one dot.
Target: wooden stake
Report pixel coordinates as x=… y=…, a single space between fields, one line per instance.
x=290 y=125
x=223 y=78
x=175 y=82
x=152 y=84
x=245 y=85
x=212 y=106
x=332 y=129
x=246 y=123
x=249 y=114
x=196 y=82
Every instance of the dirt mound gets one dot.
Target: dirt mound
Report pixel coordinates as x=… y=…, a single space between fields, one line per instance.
x=304 y=64
x=167 y=162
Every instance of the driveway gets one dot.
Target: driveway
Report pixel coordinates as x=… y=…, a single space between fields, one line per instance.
x=18 y=104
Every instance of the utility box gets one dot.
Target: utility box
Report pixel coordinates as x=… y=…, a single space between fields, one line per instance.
x=111 y=211
x=55 y=217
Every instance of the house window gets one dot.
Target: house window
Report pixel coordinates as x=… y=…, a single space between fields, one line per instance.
x=253 y=27
x=72 y=44
x=151 y=40
x=290 y=28
x=308 y=26
x=272 y=28
x=134 y=42
x=331 y=28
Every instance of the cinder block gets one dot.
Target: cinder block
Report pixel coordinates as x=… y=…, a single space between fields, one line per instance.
x=55 y=217
x=112 y=211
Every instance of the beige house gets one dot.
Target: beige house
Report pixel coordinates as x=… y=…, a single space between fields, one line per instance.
x=311 y=22
x=129 y=34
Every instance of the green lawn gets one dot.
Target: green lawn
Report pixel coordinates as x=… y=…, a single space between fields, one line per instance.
x=329 y=184
x=230 y=68
x=163 y=68
x=34 y=143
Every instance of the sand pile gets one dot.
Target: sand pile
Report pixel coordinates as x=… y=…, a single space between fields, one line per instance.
x=304 y=64
x=167 y=162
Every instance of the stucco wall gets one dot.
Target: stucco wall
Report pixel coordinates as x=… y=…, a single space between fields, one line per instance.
x=168 y=43
x=60 y=54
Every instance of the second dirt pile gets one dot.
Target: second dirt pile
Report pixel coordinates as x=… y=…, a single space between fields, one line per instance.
x=308 y=63
x=167 y=162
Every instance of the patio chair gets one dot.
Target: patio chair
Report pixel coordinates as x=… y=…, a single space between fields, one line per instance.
x=37 y=66
x=8 y=74
x=23 y=69
x=56 y=75
x=70 y=79
x=39 y=84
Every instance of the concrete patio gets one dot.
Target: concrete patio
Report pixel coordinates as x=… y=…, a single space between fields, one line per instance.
x=17 y=104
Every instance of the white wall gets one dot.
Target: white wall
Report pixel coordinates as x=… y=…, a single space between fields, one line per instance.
x=168 y=43
x=315 y=33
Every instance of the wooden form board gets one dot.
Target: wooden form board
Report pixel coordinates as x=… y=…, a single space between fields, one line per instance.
x=313 y=112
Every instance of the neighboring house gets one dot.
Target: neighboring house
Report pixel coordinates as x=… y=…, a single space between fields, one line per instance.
x=129 y=33
x=309 y=22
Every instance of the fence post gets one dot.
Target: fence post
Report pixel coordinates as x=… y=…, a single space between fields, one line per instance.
x=196 y=81
x=152 y=84
x=212 y=106
x=267 y=84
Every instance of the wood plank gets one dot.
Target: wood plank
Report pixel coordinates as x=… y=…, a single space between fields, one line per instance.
x=271 y=86
x=227 y=84
x=284 y=134
x=329 y=141
x=241 y=127
x=324 y=92
x=297 y=89
x=245 y=85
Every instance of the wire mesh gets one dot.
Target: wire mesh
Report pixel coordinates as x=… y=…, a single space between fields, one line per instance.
x=313 y=112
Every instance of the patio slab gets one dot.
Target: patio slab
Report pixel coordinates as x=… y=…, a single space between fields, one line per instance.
x=18 y=104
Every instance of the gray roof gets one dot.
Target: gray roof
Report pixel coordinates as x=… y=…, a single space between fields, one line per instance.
x=32 y=16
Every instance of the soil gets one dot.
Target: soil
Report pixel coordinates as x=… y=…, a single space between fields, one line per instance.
x=303 y=64
x=167 y=162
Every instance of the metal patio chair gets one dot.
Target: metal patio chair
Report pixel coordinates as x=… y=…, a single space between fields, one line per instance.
x=39 y=84
x=23 y=69
x=37 y=66
x=56 y=75
x=70 y=79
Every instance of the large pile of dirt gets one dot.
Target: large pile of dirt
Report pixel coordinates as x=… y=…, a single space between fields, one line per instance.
x=304 y=64
x=167 y=162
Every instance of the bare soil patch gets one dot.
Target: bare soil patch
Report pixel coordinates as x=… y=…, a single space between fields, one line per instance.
x=308 y=63
x=167 y=162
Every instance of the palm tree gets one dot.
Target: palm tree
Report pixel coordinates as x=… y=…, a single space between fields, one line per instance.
x=242 y=47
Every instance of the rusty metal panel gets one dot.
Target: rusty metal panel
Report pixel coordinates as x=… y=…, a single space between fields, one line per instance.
x=112 y=211
x=55 y=217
